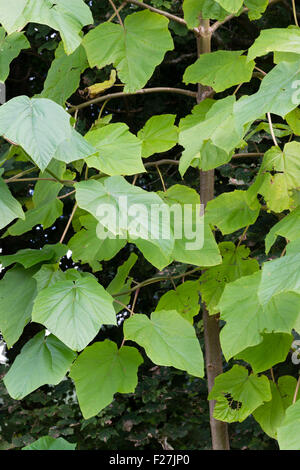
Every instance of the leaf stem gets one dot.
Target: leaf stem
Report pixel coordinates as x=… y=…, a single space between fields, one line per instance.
x=272 y=130
x=295 y=13
x=116 y=12
x=69 y=223
x=296 y=390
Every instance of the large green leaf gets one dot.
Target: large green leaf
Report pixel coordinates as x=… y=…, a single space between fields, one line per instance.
x=17 y=293
x=130 y=215
x=288 y=433
x=50 y=443
x=184 y=299
x=38 y=125
x=119 y=151
x=272 y=350
x=43 y=360
x=271 y=414
x=235 y=264
x=130 y=49
x=247 y=319
x=220 y=70
x=74 y=310
x=275 y=39
x=168 y=339
x=232 y=211
x=159 y=134
x=238 y=394
x=10 y=208
x=64 y=74
x=68 y=18
x=102 y=370
x=10 y=47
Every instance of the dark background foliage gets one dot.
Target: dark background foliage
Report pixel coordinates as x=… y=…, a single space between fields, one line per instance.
x=169 y=408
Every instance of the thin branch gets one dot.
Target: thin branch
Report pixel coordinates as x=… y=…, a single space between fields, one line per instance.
x=250 y=154
x=165 y=161
x=13 y=178
x=144 y=91
x=153 y=280
x=69 y=223
x=116 y=12
x=21 y=180
x=66 y=195
x=131 y=311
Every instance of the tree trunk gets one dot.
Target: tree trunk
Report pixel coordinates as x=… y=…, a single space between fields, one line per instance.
x=213 y=353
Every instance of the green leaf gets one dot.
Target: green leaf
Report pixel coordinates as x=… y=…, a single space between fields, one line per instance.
x=279 y=275
x=232 y=6
x=10 y=208
x=50 y=443
x=74 y=310
x=43 y=360
x=209 y=9
x=209 y=121
x=256 y=8
x=288 y=433
x=64 y=74
x=238 y=394
x=194 y=242
x=276 y=39
x=276 y=95
x=247 y=319
x=66 y=18
x=168 y=339
x=273 y=349
x=184 y=299
x=102 y=370
x=123 y=220
x=10 y=47
x=270 y=415
x=288 y=227
x=38 y=125
x=159 y=134
x=130 y=49
x=29 y=257
x=240 y=214
x=48 y=275
x=119 y=283
x=293 y=120
x=16 y=303
x=220 y=70
x=235 y=264
x=88 y=248
x=119 y=151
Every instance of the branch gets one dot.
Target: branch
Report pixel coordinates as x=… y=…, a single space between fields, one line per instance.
x=144 y=91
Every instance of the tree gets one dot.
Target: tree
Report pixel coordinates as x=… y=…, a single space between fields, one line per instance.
x=250 y=304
